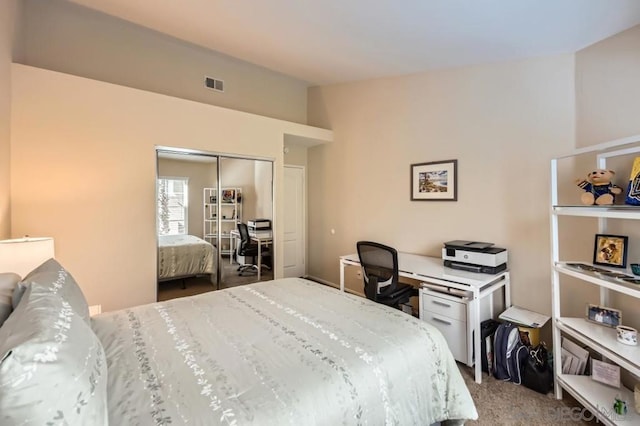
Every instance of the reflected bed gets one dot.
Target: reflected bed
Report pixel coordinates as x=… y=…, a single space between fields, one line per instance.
x=181 y=256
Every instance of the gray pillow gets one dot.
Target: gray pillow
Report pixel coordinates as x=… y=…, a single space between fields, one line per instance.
x=59 y=281
x=8 y=282
x=53 y=368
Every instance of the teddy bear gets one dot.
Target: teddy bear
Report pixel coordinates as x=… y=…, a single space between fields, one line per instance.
x=598 y=187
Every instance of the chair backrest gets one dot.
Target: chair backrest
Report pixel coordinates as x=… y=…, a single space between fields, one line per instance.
x=244 y=236
x=380 y=268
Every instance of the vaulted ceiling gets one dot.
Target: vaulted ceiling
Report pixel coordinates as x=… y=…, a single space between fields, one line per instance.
x=333 y=41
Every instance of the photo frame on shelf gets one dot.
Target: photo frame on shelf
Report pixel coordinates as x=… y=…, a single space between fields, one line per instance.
x=604 y=316
x=434 y=181
x=610 y=250
x=228 y=195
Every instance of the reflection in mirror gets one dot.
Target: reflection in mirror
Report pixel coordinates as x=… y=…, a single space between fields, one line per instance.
x=248 y=227
x=204 y=202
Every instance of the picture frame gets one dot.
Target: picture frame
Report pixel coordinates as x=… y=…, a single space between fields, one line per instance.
x=434 y=181
x=610 y=250
x=603 y=315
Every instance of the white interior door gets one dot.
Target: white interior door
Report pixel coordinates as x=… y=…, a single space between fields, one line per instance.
x=294 y=222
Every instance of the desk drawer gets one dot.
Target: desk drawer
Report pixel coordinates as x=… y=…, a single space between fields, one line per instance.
x=444 y=306
x=454 y=331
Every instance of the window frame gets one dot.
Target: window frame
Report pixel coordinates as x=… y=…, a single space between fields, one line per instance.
x=185 y=204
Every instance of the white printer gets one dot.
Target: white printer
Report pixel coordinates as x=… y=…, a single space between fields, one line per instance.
x=259 y=224
x=474 y=256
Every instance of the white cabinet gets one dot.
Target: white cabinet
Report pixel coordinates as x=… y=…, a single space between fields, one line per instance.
x=597 y=397
x=222 y=212
x=453 y=315
x=449 y=315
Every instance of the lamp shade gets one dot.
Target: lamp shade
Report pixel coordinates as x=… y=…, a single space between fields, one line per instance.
x=22 y=255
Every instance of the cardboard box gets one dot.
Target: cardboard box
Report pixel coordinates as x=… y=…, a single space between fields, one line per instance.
x=530 y=336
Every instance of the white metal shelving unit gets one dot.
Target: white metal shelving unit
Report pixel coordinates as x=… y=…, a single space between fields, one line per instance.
x=596 y=397
x=221 y=214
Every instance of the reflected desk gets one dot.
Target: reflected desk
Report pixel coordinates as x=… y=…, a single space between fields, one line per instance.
x=435 y=282
x=261 y=237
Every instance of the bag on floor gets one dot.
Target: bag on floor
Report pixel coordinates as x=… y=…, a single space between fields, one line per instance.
x=537 y=373
x=510 y=354
x=487 y=331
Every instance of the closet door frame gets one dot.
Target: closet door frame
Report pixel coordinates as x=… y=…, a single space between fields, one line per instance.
x=218 y=155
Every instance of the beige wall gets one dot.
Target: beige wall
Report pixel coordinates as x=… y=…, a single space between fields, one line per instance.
x=84 y=166
x=608 y=89
x=8 y=17
x=295 y=155
x=263 y=191
x=502 y=122
x=62 y=36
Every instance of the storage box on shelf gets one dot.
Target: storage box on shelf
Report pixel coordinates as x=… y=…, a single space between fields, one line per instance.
x=595 y=396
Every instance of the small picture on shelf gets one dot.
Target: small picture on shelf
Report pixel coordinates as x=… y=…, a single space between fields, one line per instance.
x=228 y=196
x=610 y=250
x=606 y=373
x=586 y=267
x=604 y=316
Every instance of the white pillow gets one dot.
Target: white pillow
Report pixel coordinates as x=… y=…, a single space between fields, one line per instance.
x=53 y=368
x=8 y=283
x=51 y=274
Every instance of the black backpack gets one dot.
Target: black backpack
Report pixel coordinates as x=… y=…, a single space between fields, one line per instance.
x=487 y=331
x=509 y=353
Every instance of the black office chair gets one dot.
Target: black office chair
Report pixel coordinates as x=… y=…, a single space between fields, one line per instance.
x=248 y=248
x=380 y=272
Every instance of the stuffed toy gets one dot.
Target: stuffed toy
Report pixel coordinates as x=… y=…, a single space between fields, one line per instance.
x=598 y=188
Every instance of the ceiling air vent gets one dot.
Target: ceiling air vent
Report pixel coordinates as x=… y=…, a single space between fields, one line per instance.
x=214 y=84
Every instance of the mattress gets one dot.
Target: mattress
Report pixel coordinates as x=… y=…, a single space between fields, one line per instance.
x=184 y=255
x=288 y=351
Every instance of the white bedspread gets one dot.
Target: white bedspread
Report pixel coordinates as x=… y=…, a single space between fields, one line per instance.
x=283 y=352
x=184 y=255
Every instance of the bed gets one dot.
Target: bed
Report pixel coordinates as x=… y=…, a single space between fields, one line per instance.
x=181 y=256
x=288 y=351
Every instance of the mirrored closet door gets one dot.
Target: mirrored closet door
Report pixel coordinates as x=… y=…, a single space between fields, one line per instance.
x=214 y=216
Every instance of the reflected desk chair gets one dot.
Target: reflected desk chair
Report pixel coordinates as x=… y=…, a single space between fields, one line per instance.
x=248 y=248
x=380 y=273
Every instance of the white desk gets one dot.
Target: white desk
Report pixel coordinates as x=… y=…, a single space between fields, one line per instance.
x=262 y=237
x=431 y=270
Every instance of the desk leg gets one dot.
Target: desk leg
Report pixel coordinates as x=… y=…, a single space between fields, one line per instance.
x=507 y=292
x=341 y=275
x=232 y=240
x=476 y=341
x=259 y=259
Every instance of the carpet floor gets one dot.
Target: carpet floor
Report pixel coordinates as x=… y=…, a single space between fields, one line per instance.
x=497 y=402
x=505 y=403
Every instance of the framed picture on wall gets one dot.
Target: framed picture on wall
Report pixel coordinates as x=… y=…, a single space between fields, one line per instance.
x=434 y=181
x=610 y=250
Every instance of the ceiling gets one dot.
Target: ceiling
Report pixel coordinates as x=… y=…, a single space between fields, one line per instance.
x=333 y=41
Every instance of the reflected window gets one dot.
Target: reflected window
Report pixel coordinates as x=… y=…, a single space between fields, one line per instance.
x=172 y=204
